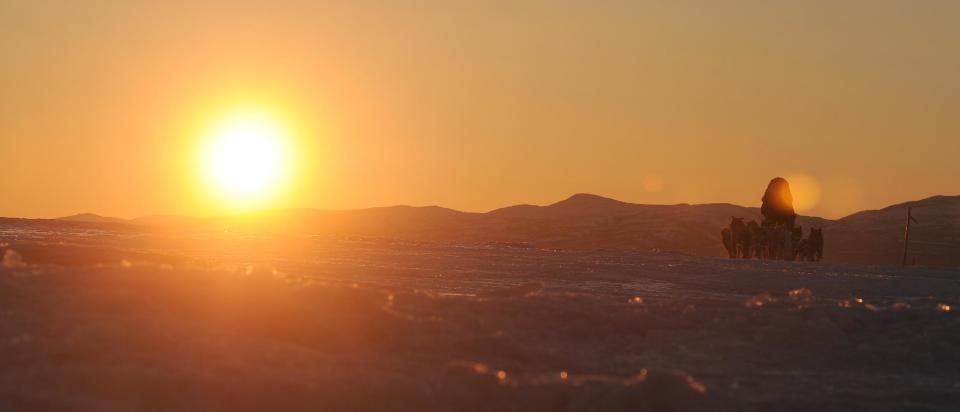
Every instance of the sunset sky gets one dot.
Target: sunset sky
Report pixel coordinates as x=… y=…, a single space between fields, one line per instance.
x=106 y=106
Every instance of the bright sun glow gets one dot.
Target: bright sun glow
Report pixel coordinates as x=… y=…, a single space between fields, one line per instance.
x=246 y=160
x=805 y=190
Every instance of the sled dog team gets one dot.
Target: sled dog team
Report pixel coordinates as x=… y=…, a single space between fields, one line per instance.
x=751 y=240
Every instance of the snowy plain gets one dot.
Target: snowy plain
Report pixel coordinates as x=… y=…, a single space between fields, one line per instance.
x=126 y=320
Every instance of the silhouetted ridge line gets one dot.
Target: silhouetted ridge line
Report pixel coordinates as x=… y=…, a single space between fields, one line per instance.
x=92 y=218
x=586 y=221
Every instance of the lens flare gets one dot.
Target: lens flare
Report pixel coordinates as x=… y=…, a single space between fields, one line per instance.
x=652 y=183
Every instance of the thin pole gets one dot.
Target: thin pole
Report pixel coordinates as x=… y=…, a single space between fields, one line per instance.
x=906 y=236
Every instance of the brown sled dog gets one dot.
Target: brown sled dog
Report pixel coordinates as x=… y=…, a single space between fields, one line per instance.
x=736 y=239
x=811 y=248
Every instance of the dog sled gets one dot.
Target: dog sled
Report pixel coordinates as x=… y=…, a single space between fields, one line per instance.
x=776 y=237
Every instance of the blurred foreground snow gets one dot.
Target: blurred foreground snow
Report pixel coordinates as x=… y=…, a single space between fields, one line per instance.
x=228 y=322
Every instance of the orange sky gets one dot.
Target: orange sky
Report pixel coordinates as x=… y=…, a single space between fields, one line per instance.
x=480 y=105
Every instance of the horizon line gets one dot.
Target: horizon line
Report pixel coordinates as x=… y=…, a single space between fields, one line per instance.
x=268 y=210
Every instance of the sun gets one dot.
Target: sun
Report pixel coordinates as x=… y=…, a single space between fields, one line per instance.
x=246 y=160
x=805 y=190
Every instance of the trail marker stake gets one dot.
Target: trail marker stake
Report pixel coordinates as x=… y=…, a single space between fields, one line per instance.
x=906 y=234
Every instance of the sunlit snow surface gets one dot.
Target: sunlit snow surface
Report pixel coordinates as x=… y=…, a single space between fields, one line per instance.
x=126 y=320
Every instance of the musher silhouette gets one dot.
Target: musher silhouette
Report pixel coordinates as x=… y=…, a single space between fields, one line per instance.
x=777 y=209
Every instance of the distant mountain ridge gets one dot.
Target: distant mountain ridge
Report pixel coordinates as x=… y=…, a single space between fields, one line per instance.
x=578 y=204
x=93 y=218
x=586 y=221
